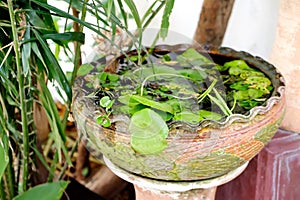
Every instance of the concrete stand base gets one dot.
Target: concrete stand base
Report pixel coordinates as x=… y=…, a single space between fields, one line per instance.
x=146 y=188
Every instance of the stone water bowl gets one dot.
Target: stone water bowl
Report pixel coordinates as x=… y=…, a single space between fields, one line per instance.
x=194 y=152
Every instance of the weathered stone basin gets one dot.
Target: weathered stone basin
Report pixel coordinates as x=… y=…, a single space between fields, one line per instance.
x=208 y=149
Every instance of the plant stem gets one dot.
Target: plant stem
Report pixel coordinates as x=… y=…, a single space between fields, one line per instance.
x=234 y=103
x=77 y=58
x=11 y=176
x=77 y=63
x=64 y=168
x=2 y=190
x=20 y=76
x=53 y=165
x=220 y=102
x=207 y=91
x=9 y=171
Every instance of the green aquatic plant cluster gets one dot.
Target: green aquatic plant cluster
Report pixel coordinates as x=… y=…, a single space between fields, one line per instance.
x=185 y=86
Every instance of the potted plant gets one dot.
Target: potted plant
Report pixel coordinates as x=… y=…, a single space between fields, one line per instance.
x=179 y=112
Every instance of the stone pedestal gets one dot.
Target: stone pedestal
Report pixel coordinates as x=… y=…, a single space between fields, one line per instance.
x=273 y=174
x=146 y=188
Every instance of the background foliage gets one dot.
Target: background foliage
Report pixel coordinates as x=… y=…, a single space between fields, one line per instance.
x=28 y=65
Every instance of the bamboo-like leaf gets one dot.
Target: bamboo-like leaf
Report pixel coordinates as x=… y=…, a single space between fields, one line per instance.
x=123 y=13
x=39 y=61
x=110 y=5
x=50 y=107
x=111 y=10
x=207 y=91
x=150 y=10
x=4 y=24
x=46 y=191
x=26 y=51
x=47 y=18
x=54 y=120
x=3 y=157
x=77 y=4
x=84 y=23
x=166 y=17
x=66 y=37
x=11 y=88
x=53 y=66
x=68 y=16
x=42 y=159
x=134 y=12
x=95 y=11
x=37 y=22
x=151 y=13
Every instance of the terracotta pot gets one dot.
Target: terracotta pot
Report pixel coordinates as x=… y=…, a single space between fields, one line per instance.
x=208 y=149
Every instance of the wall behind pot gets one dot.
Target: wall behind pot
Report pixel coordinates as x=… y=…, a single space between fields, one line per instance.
x=286 y=56
x=251 y=28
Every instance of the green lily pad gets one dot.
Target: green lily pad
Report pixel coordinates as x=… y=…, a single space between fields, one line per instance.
x=148 y=132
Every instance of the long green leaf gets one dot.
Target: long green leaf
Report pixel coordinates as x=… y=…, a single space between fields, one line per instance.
x=26 y=51
x=47 y=18
x=37 y=22
x=134 y=12
x=220 y=102
x=54 y=68
x=37 y=52
x=152 y=104
x=68 y=16
x=150 y=10
x=50 y=107
x=166 y=17
x=151 y=13
x=110 y=5
x=123 y=13
x=42 y=159
x=84 y=23
x=54 y=121
x=66 y=37
x=8 y=84
x=103 y=17
x=94 y=10
x=47 y=191
x=3 y=157
x=112 y=12
x=77 y=4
